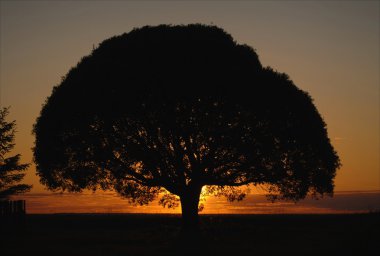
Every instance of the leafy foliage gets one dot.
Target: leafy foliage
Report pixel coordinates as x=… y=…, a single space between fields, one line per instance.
x=11 y=171
x=179 y=108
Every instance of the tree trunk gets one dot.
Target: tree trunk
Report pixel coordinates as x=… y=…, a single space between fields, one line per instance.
x=189 y=205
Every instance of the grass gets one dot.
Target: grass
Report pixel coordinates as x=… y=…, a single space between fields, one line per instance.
x=144 y=234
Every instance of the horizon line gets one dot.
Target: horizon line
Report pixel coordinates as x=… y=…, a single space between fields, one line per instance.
x=88 y=192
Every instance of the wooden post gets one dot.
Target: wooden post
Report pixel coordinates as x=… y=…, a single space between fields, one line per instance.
x=12 y=208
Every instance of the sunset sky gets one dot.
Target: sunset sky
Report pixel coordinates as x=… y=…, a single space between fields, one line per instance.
x=328 y=48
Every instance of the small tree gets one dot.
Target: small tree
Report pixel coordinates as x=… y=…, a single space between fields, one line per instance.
x=11 y=171
x=180 y=108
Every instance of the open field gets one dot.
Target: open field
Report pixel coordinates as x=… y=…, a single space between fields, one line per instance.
x=138 y=234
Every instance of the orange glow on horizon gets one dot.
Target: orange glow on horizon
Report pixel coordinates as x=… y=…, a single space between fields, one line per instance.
x=109 y=202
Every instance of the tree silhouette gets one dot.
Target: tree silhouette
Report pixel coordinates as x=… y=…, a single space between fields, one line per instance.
x=179 y=108
x=11 y=171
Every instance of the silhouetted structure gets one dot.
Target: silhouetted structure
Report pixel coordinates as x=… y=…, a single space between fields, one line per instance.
x=180 y=108
x=11 y=171
x=12 y=208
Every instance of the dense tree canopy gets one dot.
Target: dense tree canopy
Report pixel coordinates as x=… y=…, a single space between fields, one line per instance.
x=11 y=171
x=181 y=107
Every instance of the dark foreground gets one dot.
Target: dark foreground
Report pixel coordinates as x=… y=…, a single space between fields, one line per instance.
x=89 y=234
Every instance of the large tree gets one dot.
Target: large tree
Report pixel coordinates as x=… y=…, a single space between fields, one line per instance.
x=179 y=108
x=11 y=171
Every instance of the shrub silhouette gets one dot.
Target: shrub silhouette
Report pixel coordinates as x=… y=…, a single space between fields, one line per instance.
x=179 y=108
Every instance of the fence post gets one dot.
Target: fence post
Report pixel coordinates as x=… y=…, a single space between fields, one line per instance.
x=12 y=208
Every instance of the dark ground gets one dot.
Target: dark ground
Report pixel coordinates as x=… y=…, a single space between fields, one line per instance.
x=127 y=234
